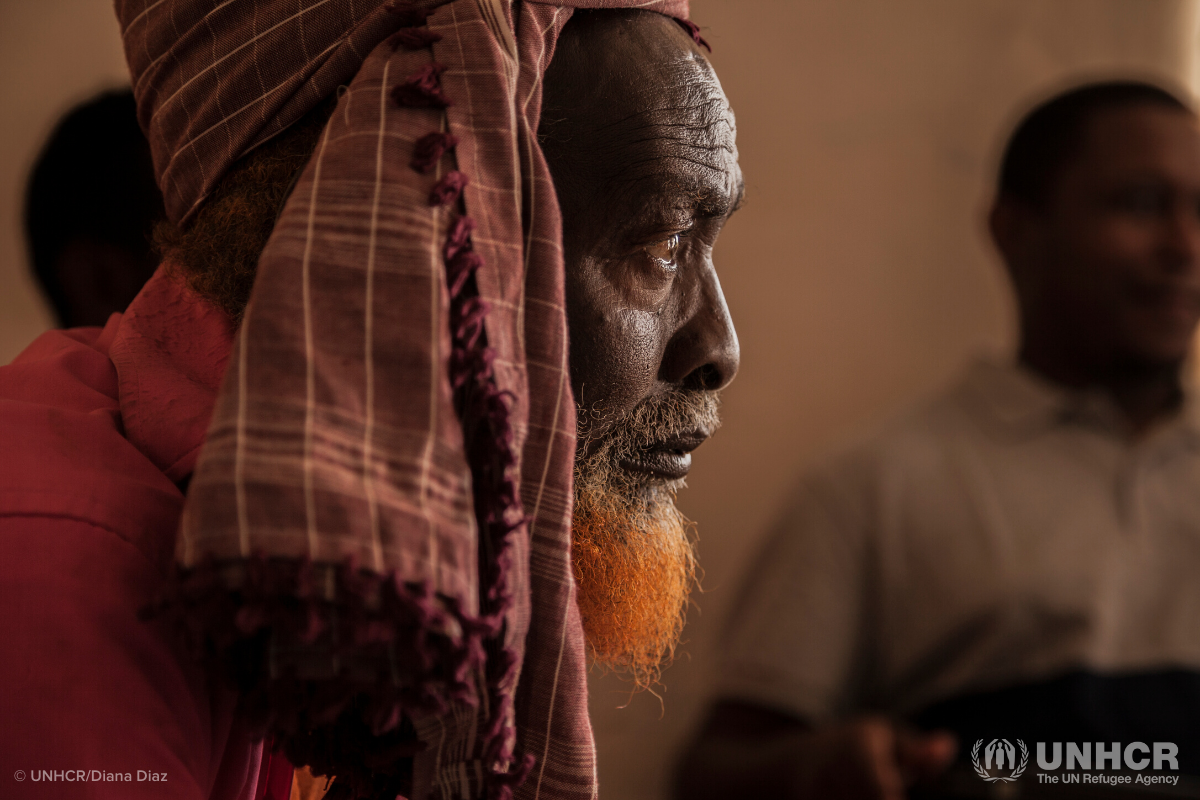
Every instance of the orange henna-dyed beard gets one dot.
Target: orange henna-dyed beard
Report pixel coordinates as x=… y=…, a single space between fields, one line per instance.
x=633 y=551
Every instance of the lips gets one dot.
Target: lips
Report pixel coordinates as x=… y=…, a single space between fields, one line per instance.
x=670 y=459
x=1177 y=303
x=1180 y=302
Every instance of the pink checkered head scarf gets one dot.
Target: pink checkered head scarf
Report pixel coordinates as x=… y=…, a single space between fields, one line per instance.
x=376 y=538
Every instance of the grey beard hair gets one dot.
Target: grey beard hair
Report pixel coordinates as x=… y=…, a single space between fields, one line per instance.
x=651 y=421
x=632 y=549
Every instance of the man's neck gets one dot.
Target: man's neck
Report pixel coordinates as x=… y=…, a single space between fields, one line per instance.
x=1144 y=393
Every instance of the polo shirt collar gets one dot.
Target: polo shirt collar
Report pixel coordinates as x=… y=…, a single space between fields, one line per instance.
x=1021 y=401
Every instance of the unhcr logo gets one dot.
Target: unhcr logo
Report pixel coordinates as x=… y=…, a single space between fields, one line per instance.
x=999 y=761
x=1135 y=757
x=1111 y=763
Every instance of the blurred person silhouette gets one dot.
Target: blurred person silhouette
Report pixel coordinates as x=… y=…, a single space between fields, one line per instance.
x=90 y=206
x=1019 y=558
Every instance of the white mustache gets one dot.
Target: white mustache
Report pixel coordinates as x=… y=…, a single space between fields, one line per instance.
x=652 y=421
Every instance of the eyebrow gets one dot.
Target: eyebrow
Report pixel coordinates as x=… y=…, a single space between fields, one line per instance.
x=705 y=202
x=739 y=196
x=692 y=194
x=709 y=205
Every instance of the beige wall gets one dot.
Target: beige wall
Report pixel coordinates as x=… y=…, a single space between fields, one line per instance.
x=53 y=53
x=857 y=273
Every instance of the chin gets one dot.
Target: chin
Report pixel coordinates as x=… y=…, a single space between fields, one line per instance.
x=632 y=550
x=635 y=567
x=1160 y=340
x=1163 y=354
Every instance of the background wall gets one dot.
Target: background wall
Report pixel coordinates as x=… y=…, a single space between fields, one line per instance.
x=858 y=272
x=53 y=54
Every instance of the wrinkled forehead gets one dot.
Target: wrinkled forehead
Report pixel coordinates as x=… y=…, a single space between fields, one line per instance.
x=674 y=107
x=638 y=102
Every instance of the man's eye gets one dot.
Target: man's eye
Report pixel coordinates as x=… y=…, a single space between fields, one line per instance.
x=1143 y=201
x=664 y=251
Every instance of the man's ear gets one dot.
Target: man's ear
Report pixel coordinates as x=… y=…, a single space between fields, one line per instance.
x=1001 y=224
x=1015 y=233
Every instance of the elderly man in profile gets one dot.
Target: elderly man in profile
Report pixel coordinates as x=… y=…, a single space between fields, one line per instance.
x=315 y=486
x=1019 y=558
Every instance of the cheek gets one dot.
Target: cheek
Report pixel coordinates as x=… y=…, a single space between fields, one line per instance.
x=1125 y=245
x=1099 y=261
x=1101 y=290
x=614 y=361
x=616 y=344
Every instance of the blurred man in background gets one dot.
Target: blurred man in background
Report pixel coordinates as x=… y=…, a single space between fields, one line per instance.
x=89 y=209
x=1020 y=557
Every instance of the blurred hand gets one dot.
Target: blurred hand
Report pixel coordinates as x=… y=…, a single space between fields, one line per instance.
x=868 y=758
x=747 y=750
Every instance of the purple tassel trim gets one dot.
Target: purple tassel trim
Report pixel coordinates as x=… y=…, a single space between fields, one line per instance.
x=505 y=784
x=458 y=238
x=327 y=658
x=429 y=149
x=448 y=189
x=489 y=443
x=461 y=269
x=421 y=89
x=488 y=438
x=694 y=31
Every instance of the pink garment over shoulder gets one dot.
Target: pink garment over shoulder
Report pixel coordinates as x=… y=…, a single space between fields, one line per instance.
x=96 y=426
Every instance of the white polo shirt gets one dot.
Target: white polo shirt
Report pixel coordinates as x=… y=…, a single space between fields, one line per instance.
x=1009 y=532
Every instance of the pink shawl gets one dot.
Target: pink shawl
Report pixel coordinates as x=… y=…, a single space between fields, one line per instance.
x=380 y=520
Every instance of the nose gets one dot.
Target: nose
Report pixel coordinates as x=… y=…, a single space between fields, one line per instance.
x=704 y=353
